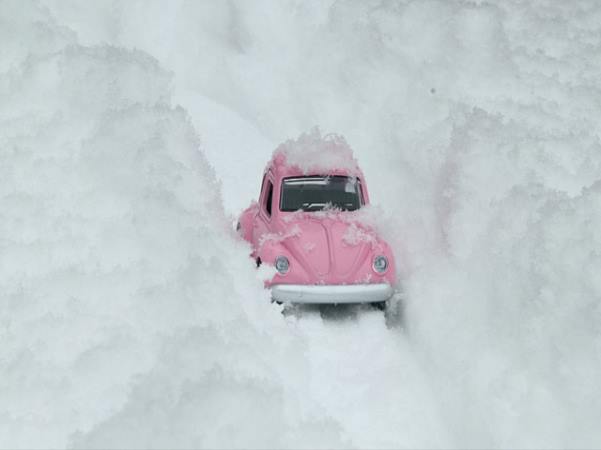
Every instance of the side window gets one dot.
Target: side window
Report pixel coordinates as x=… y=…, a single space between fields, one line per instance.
x=262 y=185
x=269 y=198
x=361 y=193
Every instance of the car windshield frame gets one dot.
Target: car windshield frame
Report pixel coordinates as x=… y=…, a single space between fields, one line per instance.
x=323 y=180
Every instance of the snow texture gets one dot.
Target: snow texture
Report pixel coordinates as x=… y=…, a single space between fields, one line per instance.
x=314 y=154
x=131 y=315
x=355 y=235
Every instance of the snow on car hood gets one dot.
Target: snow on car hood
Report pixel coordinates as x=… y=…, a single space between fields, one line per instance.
x=332 y=244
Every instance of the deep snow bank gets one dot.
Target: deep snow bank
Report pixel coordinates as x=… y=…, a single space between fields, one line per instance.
x=507 y=313
x=476 y=124
x=130 y=316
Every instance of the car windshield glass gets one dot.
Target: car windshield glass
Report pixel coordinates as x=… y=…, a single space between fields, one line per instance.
x=317 y=193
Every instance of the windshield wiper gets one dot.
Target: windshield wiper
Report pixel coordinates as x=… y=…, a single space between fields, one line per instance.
x=313 y=206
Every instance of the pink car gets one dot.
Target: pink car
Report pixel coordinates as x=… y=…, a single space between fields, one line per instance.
x=308 y=225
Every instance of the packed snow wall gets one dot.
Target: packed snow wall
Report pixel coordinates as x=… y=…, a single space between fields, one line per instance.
x=475 y=122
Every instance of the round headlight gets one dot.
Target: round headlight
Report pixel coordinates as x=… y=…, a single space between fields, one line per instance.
x=282 y=264
x=380 y=264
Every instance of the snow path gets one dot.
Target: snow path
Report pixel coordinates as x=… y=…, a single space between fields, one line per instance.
x=363 y=373
x=224 y=133
x=367 y=376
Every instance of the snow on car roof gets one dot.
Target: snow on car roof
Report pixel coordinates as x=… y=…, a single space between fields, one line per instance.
x=313 y=154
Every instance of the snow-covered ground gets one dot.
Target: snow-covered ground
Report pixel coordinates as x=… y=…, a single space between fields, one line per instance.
x=132 y=132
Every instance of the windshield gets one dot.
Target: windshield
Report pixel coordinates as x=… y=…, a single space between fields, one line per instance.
x=317 y=193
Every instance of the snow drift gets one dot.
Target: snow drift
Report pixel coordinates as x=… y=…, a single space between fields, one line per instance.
x=121 y=290
x=476 y=126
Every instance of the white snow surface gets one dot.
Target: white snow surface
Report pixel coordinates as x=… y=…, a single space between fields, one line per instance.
x=131 y=132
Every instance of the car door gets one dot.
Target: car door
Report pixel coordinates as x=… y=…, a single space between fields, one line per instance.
x=262 y=223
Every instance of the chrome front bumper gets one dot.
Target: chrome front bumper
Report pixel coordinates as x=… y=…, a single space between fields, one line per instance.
x=347 y=293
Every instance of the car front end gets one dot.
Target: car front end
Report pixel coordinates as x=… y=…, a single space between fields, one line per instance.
x=329 y=260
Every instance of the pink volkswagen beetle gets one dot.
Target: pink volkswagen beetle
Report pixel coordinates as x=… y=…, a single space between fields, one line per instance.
x=307 y=224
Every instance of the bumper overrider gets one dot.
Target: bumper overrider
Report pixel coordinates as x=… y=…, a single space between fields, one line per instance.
x=351 y=293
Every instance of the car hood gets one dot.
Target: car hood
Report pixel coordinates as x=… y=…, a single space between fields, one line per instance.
x=330 y=248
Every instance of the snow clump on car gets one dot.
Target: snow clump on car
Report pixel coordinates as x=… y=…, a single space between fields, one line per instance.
x=313 y=153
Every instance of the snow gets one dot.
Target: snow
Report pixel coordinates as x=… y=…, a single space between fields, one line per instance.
x=354 y=235
x=313 y=153
x=132 y=131
x=122 y=286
